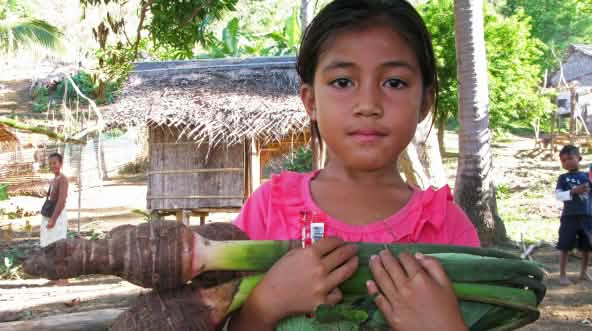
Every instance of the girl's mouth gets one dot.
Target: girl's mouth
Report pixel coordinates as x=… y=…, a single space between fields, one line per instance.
x=367 y=136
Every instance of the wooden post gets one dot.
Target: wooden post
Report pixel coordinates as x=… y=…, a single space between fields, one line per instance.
x=572 y=115
x=183 y=216
x=154 y=215
x=254 y=165
x=79 y=186
x=553 y=121
x=186 y=217
x=247 y=170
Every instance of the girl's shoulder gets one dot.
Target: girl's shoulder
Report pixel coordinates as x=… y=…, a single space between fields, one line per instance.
x=273 y=210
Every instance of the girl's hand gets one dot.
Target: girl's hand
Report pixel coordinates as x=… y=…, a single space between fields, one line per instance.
x=51 y=223
x=409 y=289
x=304 y=279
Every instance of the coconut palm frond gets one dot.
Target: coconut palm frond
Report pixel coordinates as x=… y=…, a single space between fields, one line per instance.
x=19 y=33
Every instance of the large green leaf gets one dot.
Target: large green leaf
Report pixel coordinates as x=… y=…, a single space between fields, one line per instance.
x=292 y=29
x=230 y=37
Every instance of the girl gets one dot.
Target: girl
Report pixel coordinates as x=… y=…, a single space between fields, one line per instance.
x=55 y=227
x=368 y=78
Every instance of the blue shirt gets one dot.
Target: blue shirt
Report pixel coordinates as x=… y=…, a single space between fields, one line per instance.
x=579 y=203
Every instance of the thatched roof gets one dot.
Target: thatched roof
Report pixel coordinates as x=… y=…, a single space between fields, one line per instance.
x=220 y=101
x=8 y=139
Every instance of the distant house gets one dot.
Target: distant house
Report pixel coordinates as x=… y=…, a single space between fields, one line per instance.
x=577 y=66
x=577 y=73
x=213 y=126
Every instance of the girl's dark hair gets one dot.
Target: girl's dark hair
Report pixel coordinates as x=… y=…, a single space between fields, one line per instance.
x=57 y=156
x=346 y=15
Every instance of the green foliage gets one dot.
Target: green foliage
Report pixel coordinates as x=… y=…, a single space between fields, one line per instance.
x=19 y=30
x=40 y=99
x=557 y=23
x=9 y=267
x=82 y=80
x=300 y=160
x=144 y=213
x=135 y=167
x=116 y=63
x=43 y=98
x=181 y=24
x=238 y=41
x=113 y=133
x=287 y=41
x=512 y=55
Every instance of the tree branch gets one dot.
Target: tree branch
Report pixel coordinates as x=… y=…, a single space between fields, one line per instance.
x=40 y=130
x=143 y=12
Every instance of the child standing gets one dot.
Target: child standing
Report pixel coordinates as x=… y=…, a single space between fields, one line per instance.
x=368 y=78
x=574 y=190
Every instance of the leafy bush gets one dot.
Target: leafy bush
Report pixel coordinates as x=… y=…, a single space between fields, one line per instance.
x=114 y=133
x=84 y=82
x=43 y=98
x=300 y=160
x=135 y=167
x=40 y=99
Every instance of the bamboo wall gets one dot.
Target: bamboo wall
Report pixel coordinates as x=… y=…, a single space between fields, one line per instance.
x=183 y=175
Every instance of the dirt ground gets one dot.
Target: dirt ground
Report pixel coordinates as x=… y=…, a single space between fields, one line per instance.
x=525 y=180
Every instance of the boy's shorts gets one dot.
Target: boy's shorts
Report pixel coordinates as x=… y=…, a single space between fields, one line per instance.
x=575 y=232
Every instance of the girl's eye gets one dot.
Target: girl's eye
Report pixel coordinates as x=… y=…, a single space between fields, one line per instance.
x=342 y=83
x=395 y=83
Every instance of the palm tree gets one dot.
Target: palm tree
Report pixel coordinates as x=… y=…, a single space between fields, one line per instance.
x=474 y=189
x=18 y=30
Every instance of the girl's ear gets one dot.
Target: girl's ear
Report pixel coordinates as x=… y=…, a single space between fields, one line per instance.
x=427 y=103
x=308 y=100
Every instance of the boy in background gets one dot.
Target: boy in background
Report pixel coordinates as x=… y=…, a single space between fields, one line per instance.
x=573 y=188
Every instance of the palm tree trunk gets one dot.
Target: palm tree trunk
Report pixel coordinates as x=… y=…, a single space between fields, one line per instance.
x=421 y=162
x=306 y=13
x=474 y=189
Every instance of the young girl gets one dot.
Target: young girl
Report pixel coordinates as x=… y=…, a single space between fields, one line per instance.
x=55 y=227
x=368 y=78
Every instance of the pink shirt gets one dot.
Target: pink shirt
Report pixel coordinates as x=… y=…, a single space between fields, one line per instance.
x=430 y=216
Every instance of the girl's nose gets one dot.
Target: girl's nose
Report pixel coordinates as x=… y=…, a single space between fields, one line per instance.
x=368 y=101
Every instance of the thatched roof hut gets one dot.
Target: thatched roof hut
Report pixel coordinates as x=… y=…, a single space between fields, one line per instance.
x=213 y=125
x=215 y=101
x=577 y=66
x=8 y=140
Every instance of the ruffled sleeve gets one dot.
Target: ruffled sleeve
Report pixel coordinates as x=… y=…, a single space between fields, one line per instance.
x=273 y=210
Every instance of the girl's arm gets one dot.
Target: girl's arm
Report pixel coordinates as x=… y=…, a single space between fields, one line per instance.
x=61 y=203
x=297 y=284
x=410 y=288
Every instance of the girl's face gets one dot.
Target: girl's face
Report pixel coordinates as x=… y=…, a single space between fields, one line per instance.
x=367 y=97
x=55 y=165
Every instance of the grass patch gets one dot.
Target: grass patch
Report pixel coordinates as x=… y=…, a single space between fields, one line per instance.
x=533 y=231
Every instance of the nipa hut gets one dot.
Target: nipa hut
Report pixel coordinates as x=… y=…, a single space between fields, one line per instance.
x=577 y=67
x=573 y=82
x=213 y=127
